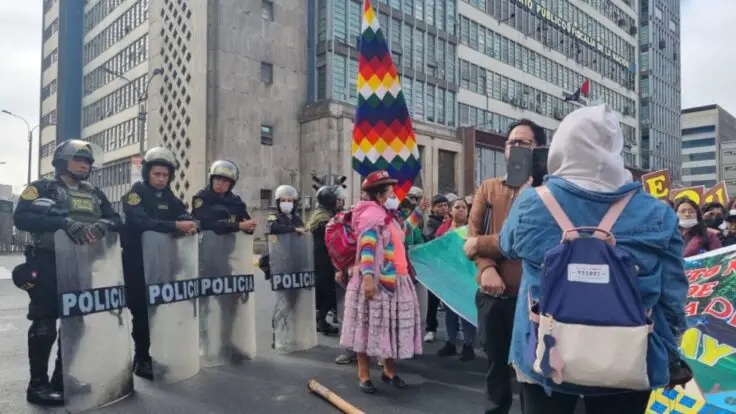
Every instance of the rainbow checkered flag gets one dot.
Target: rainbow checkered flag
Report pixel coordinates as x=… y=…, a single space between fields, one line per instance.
x=383 y=136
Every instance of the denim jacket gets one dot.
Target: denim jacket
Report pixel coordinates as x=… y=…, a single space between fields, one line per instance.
x=647 y=229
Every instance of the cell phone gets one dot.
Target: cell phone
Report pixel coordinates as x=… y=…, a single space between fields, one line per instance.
x=539 y=165
x=519 y=167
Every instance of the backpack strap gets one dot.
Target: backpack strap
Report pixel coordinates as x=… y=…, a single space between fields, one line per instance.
x=555 y=209
x=615 y=211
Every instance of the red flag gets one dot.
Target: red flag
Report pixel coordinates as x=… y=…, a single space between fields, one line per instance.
x=585 y=88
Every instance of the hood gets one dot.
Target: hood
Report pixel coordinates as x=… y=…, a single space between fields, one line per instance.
x=319 y=216
x=586 y=150
x=367 y=214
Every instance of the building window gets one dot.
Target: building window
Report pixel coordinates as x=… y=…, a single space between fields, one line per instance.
x=658 y=12
x=267 y=73
x=699 y=170
x=446 y=172
x=266 y=135
x=696 y=143
x=265 y=198
x=267 y=10
x=673 y=25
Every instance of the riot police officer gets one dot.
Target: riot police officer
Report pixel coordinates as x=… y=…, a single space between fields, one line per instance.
x=217 y=207
x=326 y=296
x=69 y=203
x=285 y=220
x=150 y=205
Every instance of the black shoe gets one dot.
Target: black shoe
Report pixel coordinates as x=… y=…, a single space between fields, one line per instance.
x=396 y=381
x=143 y=367
x=448 y=349
x=467 y=354
x=39 y=392
x=76 y=386
x=326 y=328
x=367 y=387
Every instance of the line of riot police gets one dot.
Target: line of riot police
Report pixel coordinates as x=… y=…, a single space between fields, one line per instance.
x=73 y=271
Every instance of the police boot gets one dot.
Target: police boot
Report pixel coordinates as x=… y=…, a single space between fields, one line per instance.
x=75 y=386
x=41 y=337
x=143 y=367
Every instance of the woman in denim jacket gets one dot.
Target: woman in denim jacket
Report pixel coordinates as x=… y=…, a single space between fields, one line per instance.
x=587 y=175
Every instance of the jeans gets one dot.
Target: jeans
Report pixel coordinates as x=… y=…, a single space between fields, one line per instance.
x=452 y=324
x=433 y=302
x=535 y=401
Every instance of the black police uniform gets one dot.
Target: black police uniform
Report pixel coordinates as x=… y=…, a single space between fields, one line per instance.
x=84 y=203
x=146 y=209
x=279 y=223
x=221 y=213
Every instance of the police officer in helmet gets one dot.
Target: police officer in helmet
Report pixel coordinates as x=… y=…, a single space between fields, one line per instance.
x=68 y=203
x=285 y=220
x=217 y=207
x=150 y=205
x=327 y=206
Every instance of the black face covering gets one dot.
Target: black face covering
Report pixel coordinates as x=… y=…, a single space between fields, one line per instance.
x=713 y=222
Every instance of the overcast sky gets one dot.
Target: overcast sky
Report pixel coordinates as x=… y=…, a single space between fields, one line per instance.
x=708 y=60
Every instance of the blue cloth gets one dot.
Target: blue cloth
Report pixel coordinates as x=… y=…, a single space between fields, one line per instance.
x=452 y=324
x=647 y=229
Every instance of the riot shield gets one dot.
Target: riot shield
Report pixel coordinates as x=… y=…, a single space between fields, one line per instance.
x=227 y=313
x=170 y=267
x=95 y=343
x=291 y=261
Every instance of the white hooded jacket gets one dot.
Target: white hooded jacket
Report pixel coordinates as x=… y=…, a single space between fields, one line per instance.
x=586 y=150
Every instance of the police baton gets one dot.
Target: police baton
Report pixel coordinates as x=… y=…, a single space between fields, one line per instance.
x=332 y=398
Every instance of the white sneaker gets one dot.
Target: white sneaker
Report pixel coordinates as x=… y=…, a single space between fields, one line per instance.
x=380 y=363
x=430 y=337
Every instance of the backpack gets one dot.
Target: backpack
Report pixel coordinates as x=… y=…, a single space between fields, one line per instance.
x=589 y=327
x=341 y=240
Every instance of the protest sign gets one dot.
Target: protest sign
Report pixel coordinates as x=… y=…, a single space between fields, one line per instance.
x=657 y=183
x=693 y=193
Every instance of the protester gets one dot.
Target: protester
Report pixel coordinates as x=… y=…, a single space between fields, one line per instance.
x=382 y=317
x=586 y=177
x=730 y=238
x=713 y=218
x=498 y=278
x=459 y=218
x=440 y=209
x=698 y=239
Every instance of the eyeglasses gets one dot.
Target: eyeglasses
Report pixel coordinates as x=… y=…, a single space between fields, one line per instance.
x=518 y=143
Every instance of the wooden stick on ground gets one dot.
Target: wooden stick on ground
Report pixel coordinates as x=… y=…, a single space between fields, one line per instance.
x=332 y=398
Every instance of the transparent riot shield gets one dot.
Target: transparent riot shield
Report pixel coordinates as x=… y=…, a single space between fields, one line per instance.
x=172 y=288
x=227 y=312
x=291 y=261
x=95 y=335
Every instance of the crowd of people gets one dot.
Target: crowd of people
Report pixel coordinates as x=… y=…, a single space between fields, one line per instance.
x=514 y=238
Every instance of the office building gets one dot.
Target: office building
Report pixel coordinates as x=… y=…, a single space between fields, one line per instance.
x=60 y=95
x=519 y=59
x=659 y=85
x=421 y=35
x=708 y=147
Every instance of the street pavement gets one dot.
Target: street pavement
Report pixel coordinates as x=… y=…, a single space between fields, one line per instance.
x=271 y=383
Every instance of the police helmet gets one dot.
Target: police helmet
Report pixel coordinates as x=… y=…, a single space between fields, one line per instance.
x=67 y=151
x=158 y=156
x=224 y=169
x=284 y=191
x=327 y=197
x=416 y=193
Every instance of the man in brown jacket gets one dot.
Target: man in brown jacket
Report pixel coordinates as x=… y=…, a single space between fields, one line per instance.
x=498 y=279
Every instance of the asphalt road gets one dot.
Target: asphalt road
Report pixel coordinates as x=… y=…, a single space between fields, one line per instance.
x=271 y=383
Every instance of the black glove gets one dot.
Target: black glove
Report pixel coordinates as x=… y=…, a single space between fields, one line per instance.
x=76 y=230
x=680 y=373
x=100 y=228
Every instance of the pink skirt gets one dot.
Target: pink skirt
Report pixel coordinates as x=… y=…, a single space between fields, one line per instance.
x=386 y=327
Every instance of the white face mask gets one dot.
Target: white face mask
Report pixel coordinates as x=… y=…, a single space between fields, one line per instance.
x=286 y=207
x=391 y=203
x=688 y=223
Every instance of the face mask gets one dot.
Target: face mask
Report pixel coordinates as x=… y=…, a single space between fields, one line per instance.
x=714 y=222
x=688 y=223
x=286 y=207
x=391 y=203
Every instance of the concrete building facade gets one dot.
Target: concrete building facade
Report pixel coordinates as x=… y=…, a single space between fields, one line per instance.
x=660 y=85
x=708 y=147
x=519 y=58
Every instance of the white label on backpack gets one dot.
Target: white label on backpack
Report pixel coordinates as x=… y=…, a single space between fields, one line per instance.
x=588 y=273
